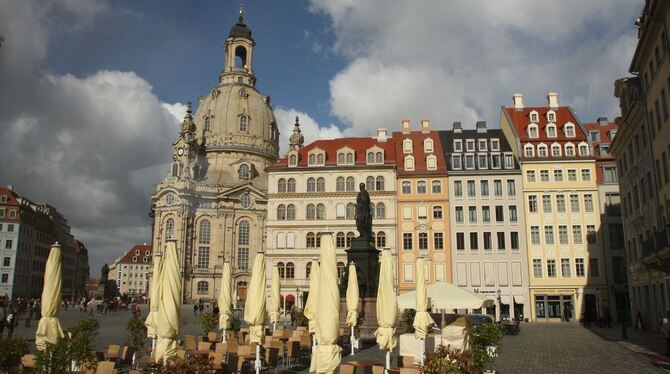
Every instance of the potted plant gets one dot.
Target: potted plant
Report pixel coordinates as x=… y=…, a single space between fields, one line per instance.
x=209 y=323
x=485 y=342
x=11 y=351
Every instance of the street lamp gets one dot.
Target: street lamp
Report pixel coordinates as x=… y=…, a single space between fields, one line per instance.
x=498 y=306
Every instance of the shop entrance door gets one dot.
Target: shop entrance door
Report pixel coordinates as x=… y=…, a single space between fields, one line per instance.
x=553 y=307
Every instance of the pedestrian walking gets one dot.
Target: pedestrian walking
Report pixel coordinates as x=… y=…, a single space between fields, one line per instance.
x=202 y=308
x=665 y=327
x=11 y=320
x=195 y=310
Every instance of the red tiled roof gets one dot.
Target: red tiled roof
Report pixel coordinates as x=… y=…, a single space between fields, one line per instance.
x=521 y=119
x=331 y=146
x=12 y=203
x=604 y=131
x=417 y=138
x=128 y=256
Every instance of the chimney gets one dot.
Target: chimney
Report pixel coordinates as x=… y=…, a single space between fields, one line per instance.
x=405 y=126
x=381 y=135
x=425 y=125
x=10 y=187
x=457 y=127
x=481 y=126
x=602 y=121
x=552 y=99
x=518 y=101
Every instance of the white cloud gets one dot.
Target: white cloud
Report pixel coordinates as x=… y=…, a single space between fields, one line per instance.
x=311 y=130
x=460 y=61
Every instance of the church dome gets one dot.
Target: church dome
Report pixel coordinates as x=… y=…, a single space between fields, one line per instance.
x=237 y=117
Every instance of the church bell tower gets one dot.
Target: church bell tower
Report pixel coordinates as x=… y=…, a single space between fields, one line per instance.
x=239 y=55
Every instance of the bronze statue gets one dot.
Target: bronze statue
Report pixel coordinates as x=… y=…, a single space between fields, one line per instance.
x=105 y=274
x=363 y=213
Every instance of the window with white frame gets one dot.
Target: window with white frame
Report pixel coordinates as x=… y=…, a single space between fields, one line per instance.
x=570 y=150
x=551 y=116
x=470 y=145
x=551 y=130
x=542 y=150
x=533 y=116
x=482 y=161
x=481 y=145
x=409 y=163
x=509 y=161
x=469 y=162
x=528 y=150
x=556 y=150
x=495 y=161
x=456 y=162
x=495 y=145
x=458 y=145
x=407 y=146
x=532 y=131
x=431 y=162
x=569 y=130
x=428 y=145
x=583 y=149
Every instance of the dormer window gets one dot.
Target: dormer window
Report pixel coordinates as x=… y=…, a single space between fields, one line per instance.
x=570 y=150
x=409 y=163
x=431 y=162
x=470 y=145
x=340 y=158
x=583 y=149
x=532 y=131
x=312 y=159
x=456 y=162
x=244 y=123
x=458 y=145
x=555 y=150
x=345 y=158
x=495 y=161
x=481 y=146
x=528 y=150
x=428 y=145
x=375 y=157
x=350 y=158
x=207 y=121
x=317 y=158
x=509 y=161
x=551 y=130
x=495 y=145
x=379 y=157
x=482 y=161
x=470 y=162
x=542 y=150
x=534 y=117
x=244 y=171
x=569 y=130
x=407 y=146
x=320 y=159
x=551 y=116
x=293 y=160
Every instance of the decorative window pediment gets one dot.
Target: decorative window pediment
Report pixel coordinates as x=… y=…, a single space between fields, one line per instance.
x=533 y=116
x=316 y=157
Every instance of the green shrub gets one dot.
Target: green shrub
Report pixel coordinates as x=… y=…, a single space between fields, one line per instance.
x=191 y=365
x=481 y=338
x=235 y=324
x=137 y=332
x=446 y=360
x=406 y=325
x=300 y=319
x=11 y=351
x=209 y=323
x=57 y=359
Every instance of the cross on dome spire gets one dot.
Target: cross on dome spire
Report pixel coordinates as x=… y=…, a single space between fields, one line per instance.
x=240 y=19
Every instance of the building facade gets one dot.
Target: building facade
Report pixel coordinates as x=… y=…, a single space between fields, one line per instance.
x=611 y=234
x=213 y=200
x=642 y=150
x=565 y=256
x=27 y=232
x=131 y=271
x=312 y=190
x=488 y=241
x=422 y=205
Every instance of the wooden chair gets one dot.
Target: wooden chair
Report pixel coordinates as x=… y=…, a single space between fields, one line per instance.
x=189 y=344
x=347 y=369
x=181 y=354
x=126 y=357
x=105 y=367
x=221 y=348
x=306 y=342
x=271 y=358
x=232 y=346
x=217 y=360
x=204 y=347
x=377 y=369
x=112 y=352
x=212 y=337
x=28 y=364
x=410 y=371
x=293 y=350
x=405 y=361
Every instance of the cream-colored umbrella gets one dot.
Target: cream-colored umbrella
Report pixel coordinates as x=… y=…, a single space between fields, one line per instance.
x=169 y=305
x=225 y=299
x=48 y=329
x=254 y=307
x=312 y=298
x=352 y=303
x=327 y=355
x=274 y=298
x=151 y=321
x=387 y=308
x=422 y=319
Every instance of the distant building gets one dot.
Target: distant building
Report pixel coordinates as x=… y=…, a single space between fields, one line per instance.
x=27 y=232
x=130 y=271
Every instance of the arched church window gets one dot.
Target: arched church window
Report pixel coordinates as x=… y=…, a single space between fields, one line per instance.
x=205 y=232
x=244 y=171
x=207 y=122
x=244 y=123
x=169 y=228
x=175 y=169
x=203 y=287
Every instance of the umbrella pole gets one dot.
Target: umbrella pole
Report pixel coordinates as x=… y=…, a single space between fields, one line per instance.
x=274 y=326
x=422 y=351
x=258 y=359
x=153 y=344
x=353 y=339
x=388 y=361
x=223 y=338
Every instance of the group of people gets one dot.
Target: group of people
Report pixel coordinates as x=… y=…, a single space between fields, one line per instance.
x=203 y=307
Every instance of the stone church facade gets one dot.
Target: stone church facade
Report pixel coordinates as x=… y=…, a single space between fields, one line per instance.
x=213 y=199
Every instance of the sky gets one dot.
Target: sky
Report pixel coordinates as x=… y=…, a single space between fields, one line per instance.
x=92 y=91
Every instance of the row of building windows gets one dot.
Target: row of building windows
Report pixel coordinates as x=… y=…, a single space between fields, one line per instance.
x=422 y=212
x=422 y=241
x=556 y=150
x=341 y=184
x=10 y=227
x=410 y=164
x=558 y=175
x=550 y=130
x=547 y=206
x=566 y=272
x=408 y=146
x=421 y=187
x=342 y=240
x=487 y=241
x=11 y=213
x=482 y=145
x=484 y=188
x=499 y=210
x=577 y=235
x=483 y=161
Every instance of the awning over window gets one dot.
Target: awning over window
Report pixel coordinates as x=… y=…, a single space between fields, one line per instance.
x=518 y=299
x=290 y=298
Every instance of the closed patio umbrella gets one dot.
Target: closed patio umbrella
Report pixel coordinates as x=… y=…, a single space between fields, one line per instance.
x=48 y=329
x=274 y=298
x=151 y=322
x=352 y=302
x=444 y=295
x=312 y=298
x=327 y=355
x=254 y=308
x=387 y=307
x=169 y=307
x=422 y=319
x=225 y=299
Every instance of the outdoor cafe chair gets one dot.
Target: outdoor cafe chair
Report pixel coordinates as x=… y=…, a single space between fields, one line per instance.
x=105 y=367
x=271 y=358
x=112 y=352
x=212 y=337
x=203 y=348
x=347 y=368
x=293 y=350
x=126 y=357
x=189 y=344
x=377 y=369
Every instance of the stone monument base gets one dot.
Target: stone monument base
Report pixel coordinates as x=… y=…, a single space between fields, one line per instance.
x=367 y=318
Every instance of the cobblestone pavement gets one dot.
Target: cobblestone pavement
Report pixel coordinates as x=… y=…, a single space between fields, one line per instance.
x=539 y=348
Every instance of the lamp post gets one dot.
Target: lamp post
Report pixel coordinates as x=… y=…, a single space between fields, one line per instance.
x=498 y=307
